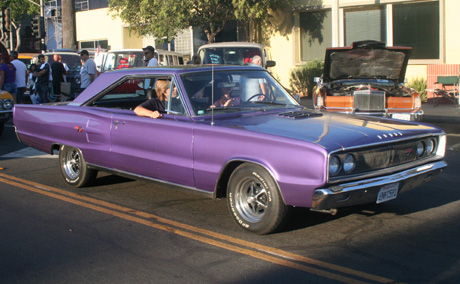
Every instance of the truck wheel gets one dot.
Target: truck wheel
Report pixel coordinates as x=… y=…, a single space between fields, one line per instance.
x=255 y=201
x=73 y=167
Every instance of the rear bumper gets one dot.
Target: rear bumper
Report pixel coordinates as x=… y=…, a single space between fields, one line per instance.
x=366 y=191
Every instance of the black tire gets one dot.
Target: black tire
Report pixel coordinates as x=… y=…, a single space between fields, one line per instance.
x=255 y=201
x=74 y=168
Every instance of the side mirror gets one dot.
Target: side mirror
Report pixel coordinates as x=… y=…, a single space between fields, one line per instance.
x=317 y=80
x=270 y=63
x=297 y=98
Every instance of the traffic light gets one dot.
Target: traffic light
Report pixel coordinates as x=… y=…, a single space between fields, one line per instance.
x=36 y=26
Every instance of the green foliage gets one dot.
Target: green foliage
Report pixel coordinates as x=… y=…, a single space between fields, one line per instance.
x=164 y=18
x=419 y=84
x=302 y=78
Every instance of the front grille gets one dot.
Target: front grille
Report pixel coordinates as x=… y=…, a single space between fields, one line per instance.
x=369 y=100
x=385 y=157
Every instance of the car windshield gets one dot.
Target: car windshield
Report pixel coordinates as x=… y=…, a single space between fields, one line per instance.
x=233 y=91
x=229 y=55
x=73 y=61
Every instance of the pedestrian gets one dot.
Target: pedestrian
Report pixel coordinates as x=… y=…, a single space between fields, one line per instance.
x=58 y=72
x=88 y=71
x=149 y=53
x=7 y=74
x=43 y=79
x=196 y=59
x=21 y=75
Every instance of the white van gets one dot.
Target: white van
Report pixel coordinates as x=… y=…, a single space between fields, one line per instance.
x=235 y=53
x=128 y=58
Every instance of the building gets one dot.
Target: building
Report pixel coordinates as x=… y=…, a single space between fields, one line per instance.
x=428 y=26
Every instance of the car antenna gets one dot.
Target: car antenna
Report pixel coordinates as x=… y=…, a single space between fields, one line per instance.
x=212 y=94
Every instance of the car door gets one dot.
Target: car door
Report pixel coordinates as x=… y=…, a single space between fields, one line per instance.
x=154 y=148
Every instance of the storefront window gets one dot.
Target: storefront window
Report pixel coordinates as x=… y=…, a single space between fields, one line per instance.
x=417 y=25
x=315 y=34
x=369 y=24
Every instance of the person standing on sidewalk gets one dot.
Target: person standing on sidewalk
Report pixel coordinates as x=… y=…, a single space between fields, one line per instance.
x=58 y=72
x=88 y=71
x=7 y=75
x=21 y=75
x=43 y=78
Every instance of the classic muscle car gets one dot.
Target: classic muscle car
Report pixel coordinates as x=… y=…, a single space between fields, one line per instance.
x=264 y=152
x=367 y=78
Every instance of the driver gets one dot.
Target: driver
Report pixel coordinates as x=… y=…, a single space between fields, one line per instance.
x=225 y=99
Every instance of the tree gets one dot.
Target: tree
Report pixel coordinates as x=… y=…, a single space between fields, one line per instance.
x=164 y=18
x=259 y=14
x=19 y=10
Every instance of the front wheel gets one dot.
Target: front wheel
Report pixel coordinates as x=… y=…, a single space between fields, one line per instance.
x=74 y=168
x=255 y=200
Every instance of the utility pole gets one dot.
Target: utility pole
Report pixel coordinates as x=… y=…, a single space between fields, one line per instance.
x=68 y=24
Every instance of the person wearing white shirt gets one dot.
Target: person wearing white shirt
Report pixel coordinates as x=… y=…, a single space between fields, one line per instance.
x=149 y=54
x=21 y=75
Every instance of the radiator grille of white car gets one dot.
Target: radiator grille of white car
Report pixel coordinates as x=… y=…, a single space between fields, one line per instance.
x=369 y=100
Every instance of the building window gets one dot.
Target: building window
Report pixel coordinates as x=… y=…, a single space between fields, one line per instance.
x=369 y=24
x=417 y=25
x=315 y=34
x=94 y=44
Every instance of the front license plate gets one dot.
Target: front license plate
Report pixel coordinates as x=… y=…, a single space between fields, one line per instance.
x=388 y=192
x=401 y=116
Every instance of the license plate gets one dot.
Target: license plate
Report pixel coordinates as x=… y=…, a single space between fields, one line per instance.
x=388 y=192
x=401 y=116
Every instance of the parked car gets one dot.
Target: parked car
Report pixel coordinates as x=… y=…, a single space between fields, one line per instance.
x=6 y=109
x=235 y=53
x=266 y=154
x=367 y=78
x=128 y=58
x=73 y=61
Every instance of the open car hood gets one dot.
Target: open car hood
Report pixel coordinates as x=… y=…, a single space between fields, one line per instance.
x=366 y=60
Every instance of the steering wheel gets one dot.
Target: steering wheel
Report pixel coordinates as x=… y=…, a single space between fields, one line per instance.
x=254 y=96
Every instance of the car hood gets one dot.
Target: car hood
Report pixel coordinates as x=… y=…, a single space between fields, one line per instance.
x=330 y=130
x=366 y=60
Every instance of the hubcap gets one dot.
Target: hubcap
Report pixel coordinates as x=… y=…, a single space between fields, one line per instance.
x=251 y=200
x=72 y=164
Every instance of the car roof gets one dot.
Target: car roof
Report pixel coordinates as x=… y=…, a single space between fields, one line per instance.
x=233 y=44
x=140 y=50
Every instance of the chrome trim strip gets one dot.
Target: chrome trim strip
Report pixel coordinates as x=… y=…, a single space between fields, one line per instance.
x=365 y=191
x=141 y=177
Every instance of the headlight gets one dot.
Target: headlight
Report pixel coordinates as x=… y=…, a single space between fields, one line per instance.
x=349 y=163
x=334 y=165
x=430 y=146
x=7 y=104
x=420 y=148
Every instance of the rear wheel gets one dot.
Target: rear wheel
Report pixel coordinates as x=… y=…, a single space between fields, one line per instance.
x=74 y=168
x=255 y=200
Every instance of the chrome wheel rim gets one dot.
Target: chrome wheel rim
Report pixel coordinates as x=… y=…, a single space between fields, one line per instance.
x=251 y=200
x=72 y=164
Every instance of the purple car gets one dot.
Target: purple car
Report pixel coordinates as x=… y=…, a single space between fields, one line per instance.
x=262 y=151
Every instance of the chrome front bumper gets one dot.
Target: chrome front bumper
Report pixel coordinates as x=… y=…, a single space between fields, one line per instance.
x=366 y=191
